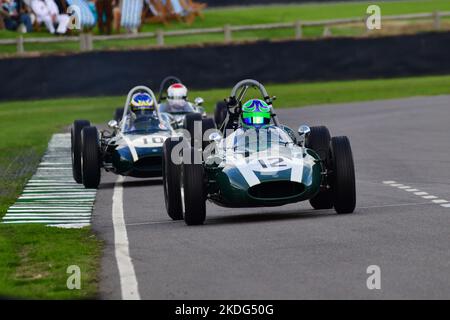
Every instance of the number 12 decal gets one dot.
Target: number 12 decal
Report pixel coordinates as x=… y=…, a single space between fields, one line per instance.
x=272 y=163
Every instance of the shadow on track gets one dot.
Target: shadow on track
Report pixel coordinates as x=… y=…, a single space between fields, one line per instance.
x=133 y=183
x=269 y=216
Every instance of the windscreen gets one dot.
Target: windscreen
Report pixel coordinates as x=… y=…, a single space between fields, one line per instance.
x=257 y=140
x=144 y=124
x=176 y=107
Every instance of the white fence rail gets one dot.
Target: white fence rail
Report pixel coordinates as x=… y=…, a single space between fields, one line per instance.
x=86 y=40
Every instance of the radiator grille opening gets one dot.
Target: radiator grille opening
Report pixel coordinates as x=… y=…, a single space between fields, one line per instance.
x=276 y=189
x=148 y=163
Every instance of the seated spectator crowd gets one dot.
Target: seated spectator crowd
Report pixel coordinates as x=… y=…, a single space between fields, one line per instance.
x=28 y=15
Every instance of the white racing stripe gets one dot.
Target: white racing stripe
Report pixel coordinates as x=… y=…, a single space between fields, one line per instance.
x=246 y=172
x=130 y=146
x=128 y=280
x=297 y=170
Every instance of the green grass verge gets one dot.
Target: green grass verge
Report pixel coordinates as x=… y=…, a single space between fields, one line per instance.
x=33 y=259
x=247 y=16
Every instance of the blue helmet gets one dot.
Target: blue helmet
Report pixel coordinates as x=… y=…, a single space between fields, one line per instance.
x=142 y=102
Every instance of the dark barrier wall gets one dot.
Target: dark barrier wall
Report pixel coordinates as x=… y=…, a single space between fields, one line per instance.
x=114 y=73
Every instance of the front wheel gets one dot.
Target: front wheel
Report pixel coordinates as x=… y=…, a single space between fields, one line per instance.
x=90 y=157
x=171 y=181
x=191 y=121
x=342 y=175
x=194 y=192
x=75 y=138
x=207 y=124
x=319 y=140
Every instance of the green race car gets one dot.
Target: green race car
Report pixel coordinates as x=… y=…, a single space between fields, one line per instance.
x=254 y=161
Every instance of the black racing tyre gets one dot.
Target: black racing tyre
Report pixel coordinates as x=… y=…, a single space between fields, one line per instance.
x=207 y=124
x=323 y=200
x=171 y=181
x=75 y=138
x=90 y=157
x=319 y=140
x=220 y=113
x=118 y=114
x=342 y=175
x=194 y=192
x=189 y=123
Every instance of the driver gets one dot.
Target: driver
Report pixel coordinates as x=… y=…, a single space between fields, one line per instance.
x=177 y=94
x=255 y=114
x=142 y=115
x=177 y=99
x=255 y=124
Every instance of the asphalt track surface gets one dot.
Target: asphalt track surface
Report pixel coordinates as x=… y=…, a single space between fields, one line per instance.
x=294 y=252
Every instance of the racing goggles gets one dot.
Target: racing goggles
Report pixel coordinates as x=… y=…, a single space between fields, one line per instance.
x=256 y=118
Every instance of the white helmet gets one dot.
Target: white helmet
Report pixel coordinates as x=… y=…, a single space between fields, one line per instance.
x=176 y=92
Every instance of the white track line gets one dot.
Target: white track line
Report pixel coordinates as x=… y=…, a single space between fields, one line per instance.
x=439 y=201
x=425 y=195
x=128 y=280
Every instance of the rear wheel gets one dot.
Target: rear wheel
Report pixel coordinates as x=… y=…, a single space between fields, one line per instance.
x=194 y=192
x=220 y=113
x=75 y=137
x=319 y=140
x=118 y=114
x=171 y=181
x=90 y=157
x=343 y=175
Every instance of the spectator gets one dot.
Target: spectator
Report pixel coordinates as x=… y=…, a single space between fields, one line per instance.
x=46 y=11
x=15 y=16
x=117 y=15
x=105 y=14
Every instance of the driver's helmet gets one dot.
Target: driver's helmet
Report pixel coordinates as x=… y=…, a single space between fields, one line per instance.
x=255 y=114
x=142 y=103
x=177 y=94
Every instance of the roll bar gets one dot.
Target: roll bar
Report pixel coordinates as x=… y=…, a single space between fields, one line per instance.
x=126 y=107
x=162 y=86
x=233 y=101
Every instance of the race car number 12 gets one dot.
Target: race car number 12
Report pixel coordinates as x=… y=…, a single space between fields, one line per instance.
x=272 y=163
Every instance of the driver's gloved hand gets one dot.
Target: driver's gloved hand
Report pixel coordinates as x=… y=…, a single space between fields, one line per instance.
x=231 y=102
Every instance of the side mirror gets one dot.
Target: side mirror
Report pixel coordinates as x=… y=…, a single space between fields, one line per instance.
x=113 y=124
x=214 y=137
x=199 y=101
x=303 y=132
x=202 y=111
